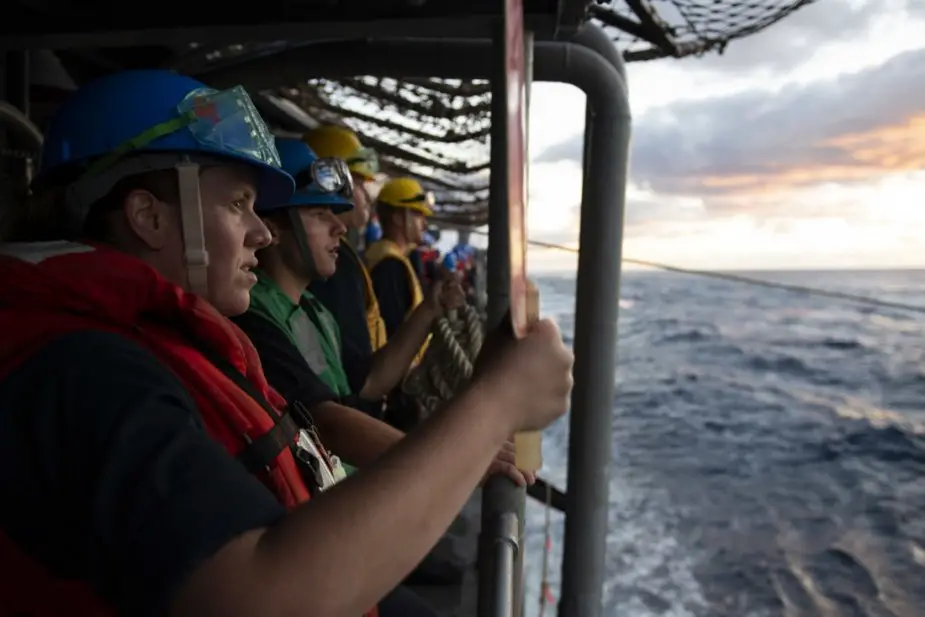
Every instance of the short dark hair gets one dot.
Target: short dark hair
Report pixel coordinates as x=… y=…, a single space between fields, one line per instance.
x=163 y=184
x=45 y=216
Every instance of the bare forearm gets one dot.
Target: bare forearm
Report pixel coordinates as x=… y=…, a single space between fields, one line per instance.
x=390 y=364
x=352 y=435
x=374 y=527
x=378 y=524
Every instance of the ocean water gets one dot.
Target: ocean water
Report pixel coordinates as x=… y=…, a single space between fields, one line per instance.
x=768 y=449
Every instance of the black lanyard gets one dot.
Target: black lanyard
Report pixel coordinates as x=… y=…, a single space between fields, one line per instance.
x=260 y=454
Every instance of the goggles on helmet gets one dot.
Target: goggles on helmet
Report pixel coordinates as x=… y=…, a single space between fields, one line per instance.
x=365 y=158
x=223 y=121
x=326 y=175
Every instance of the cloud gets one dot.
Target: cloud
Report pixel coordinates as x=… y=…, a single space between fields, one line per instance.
x=646 y=213
x=854 y=128
x=794 y=151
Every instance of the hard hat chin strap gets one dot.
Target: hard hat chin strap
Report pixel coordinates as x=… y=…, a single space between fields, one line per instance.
x=409 y=223
x=301 y=239
x=195 y=255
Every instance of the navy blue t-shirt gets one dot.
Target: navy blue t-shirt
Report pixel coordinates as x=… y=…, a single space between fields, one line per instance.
x=393 y=292
x=107 y=475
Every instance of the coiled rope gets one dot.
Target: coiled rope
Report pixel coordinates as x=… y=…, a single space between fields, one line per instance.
x=446 y=367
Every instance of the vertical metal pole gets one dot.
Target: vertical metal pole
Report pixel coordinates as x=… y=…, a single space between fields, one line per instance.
x=506 y=556
x=501 y=498
x=603 y=202
x=499 y=275
x=519 y=571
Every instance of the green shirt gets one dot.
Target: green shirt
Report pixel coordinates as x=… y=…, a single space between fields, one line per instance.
x=309 y=325
x=311 y=328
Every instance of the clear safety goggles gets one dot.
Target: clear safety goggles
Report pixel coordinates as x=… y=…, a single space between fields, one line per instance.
x=364 y=160
x=225 y=121
x=326 y=175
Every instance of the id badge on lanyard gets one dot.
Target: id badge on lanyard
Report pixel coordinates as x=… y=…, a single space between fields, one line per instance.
x=327 y=470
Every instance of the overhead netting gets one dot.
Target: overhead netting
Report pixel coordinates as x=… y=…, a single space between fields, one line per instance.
x=433 y=129
x=437 y=130
x=650 y=29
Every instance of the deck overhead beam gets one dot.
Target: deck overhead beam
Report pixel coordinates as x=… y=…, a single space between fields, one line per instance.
x=56 y=36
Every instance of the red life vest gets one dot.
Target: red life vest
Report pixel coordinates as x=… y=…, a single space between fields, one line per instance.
x=50 y=289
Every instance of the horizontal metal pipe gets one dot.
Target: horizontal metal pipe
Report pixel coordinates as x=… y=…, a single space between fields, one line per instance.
x=463 y=59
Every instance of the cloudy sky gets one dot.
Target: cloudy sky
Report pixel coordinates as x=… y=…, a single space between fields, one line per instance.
x=802 y=146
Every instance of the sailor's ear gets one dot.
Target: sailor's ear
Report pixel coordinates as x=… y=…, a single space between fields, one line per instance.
x=273 y=226
x=152 y=220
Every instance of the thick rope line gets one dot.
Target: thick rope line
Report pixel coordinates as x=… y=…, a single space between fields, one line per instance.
x=446 y=367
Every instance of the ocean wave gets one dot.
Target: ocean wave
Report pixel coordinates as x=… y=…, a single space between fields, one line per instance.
x=769 y=450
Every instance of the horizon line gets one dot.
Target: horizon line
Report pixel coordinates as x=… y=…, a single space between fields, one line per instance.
x=765 y=269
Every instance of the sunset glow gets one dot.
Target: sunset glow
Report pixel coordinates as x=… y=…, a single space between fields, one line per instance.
x=760 y=158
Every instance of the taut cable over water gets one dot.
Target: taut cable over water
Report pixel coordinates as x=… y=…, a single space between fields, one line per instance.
x=746 y=280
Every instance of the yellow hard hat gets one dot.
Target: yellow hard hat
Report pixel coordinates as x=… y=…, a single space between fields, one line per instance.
x=407 y=193
x=339 y=142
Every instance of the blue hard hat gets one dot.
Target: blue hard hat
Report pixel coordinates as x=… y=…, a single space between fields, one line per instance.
x=373 y=231
x=450 y=262
x=158 y=111
x=464 y=249
x=300 y=161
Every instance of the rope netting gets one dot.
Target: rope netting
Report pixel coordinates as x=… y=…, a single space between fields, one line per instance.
x=649 y=29
x=434 y=129
x=437 y=130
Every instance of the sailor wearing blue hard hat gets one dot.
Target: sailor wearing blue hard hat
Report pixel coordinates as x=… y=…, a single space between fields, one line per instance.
x=307 y=231
x=309 y=239
x=138 y=140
